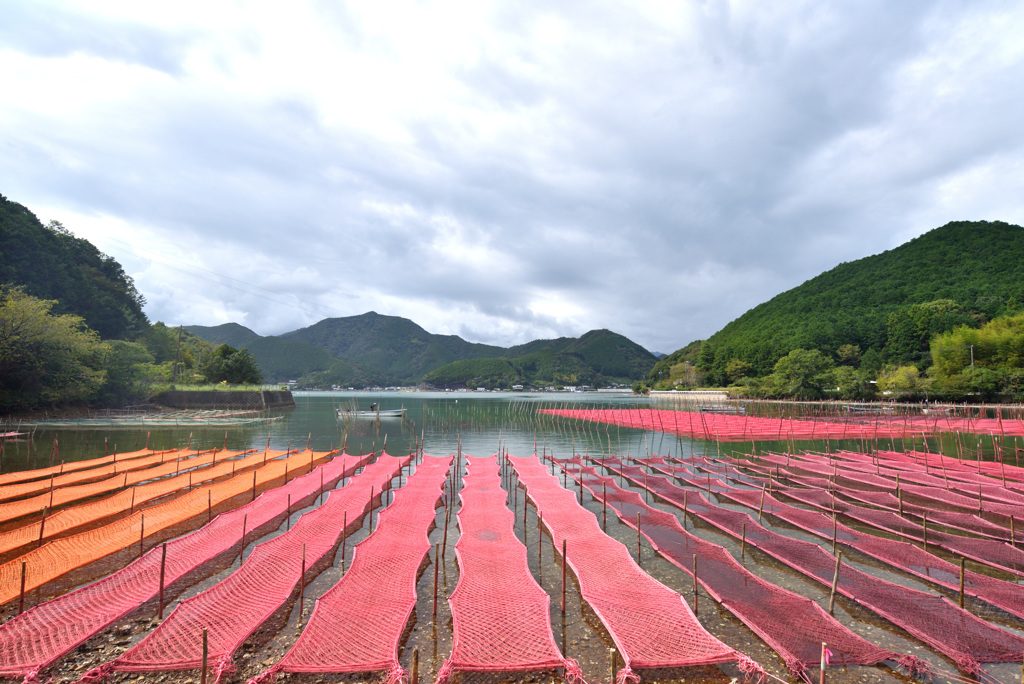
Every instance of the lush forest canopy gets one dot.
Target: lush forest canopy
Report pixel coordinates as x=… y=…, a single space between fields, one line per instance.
x=873 y=322
x=72 y=329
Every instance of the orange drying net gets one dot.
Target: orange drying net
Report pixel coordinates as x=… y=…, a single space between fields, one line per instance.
x=61 y=556
x=125 y=501
x=20 y=489
x=357 y=625
x=39 y=637
x=263 y=583
x=650 y=624
x=500 y=613
x=26 y=475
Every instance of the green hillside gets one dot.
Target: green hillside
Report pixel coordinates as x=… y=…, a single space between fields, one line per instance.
x=887 y=307
x=598 y=358
x=231 y=334
x=50 y=263
x=400 y=351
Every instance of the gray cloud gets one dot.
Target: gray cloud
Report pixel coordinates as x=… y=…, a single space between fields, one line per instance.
x=529 y=172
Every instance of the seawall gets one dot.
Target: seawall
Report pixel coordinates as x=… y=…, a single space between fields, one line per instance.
x=251 y=400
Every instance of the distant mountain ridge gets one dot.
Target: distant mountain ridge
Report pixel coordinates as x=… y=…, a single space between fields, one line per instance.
x=389 y=350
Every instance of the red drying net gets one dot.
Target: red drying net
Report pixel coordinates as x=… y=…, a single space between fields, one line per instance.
x=907 y=557
x=357 y=625
x=500 y=613
x=60 y=469
x=991 y=552
x=37 y=638
x=60 y=556
x=952 y=631
x=732 y=428
x=125 y=501
x=651 y=625
x=262 y=585
x=757 y=603
x=1001 y=470
x=59 y=496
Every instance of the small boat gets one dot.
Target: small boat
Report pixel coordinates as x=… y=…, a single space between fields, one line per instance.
x=372 y=415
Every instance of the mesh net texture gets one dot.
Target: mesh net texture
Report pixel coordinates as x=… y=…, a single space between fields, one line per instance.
x=899 y=554
x=60 y=556
x=126 y=501
x=991 y=552
x=651 y=625
x=500 y=613
x=357 y=625
x=732 y=428
x=62 y=468
x=794 y=626
x=263 y=584
x=39 y=637
x=18 y=490
x=950 y=630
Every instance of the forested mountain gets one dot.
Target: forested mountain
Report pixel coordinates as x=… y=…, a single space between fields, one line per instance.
x=882 y=309
x=399 y=350
x=387 y=350
x=227 y=333
x=599 y=357
x=50 y=263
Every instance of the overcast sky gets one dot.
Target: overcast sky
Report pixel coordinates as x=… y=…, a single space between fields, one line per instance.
x=505 y=171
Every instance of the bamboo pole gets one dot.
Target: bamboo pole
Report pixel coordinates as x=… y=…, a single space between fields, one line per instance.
x=21 y=598
x=694 y=584
x=241 y=551
x=437 y=562
x=302 y=584
x=206 y=657
x=962 y=563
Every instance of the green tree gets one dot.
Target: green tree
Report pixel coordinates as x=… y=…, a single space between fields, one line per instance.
x=848 y=355
x=903 y=380
x=803 y=374
x=230 y=365
x=129 y=369
x=45 y=358
x=738 y=368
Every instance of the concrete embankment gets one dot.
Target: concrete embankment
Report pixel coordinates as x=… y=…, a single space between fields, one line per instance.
x=251 y=400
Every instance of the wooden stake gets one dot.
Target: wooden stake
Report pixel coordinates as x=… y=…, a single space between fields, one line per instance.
x=924 y=530
x=437 y=562
x=142 y=531
x=415 y=677
x=540 y=541
x=694 y=584
x=604 y=506
x=344 y=541
x=1013 y=534
x=638 y=547
x=206 y=657
x=613 y=664
x=962 y=559
x=743 y=543
x=288 y=518
x=835 y=583
x=209 y=506
x=760 y=509
x=823 y=662
x=241 y=552
x=21 y=599
x=302 y=584
x=163 y=565
x=42 y=526
x=254 y=485
x=835 y=539
x=444 y=542
x=563 y=576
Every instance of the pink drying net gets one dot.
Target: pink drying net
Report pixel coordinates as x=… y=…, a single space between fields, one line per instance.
x=650 y=624
x=262 y=584
x=36 y=639
x=754 y=601
x=357 y=625
x=964 y=638
x=499 y=611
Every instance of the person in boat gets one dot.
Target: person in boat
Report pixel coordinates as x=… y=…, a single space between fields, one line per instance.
x=373 y=407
